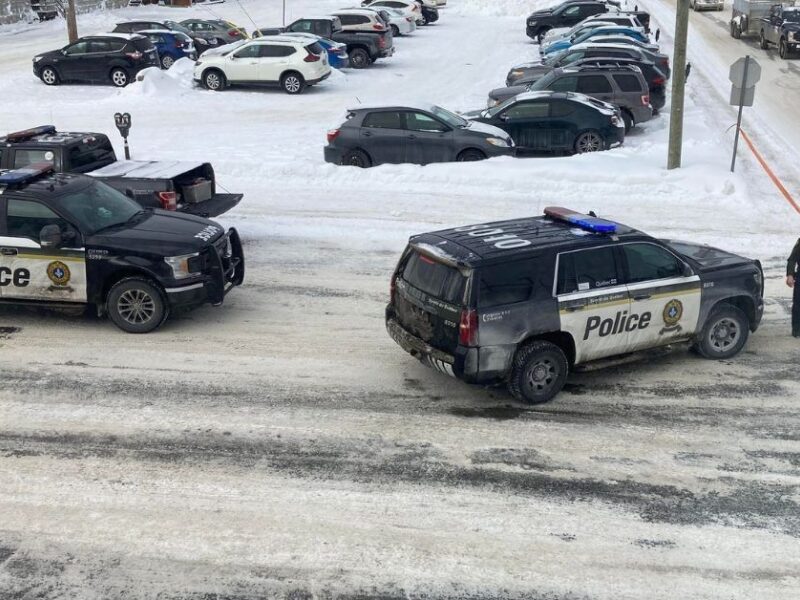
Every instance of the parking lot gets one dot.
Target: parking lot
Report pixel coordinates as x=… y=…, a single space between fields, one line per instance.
x=282 y=445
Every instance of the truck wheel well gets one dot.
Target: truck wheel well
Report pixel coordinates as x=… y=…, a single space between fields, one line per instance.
x=743 y=303
x=118 y=276
x=562 y=339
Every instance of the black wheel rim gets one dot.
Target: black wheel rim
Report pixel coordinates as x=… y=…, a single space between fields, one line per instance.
x=136 y=307
x=356 y=161
x=358 y=60
x=724 y=334
x=541 y=376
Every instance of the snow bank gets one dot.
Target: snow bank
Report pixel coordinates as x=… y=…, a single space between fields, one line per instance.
x=177 y=81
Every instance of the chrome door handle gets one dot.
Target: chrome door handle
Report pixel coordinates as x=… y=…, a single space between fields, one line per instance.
x=642 y=296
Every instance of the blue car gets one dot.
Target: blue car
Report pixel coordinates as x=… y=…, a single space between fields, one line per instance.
x=171 y=45
x=338 y=58
x=587 y=36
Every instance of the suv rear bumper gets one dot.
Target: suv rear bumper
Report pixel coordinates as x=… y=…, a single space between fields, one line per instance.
x=473 y=365
x=225 y=272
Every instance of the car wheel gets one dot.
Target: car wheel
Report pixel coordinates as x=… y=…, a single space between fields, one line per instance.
x=214 y=80
x=136 y=305
x=762 y=41
x=538 y=372
x=50 y=76
x=541 y=34
x=724 y=334
x=357 y=158
x=293 y=83
x=423 y=20
x=588 y=141
x=119 y=77
x=783 y=49
x=627 y=118
x=395 y=31
x=470 y=155
x=359 y=58
x=167 y=61
x=736 y=33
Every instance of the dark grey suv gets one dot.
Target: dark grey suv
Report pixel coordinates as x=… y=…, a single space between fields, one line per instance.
x=412 y=134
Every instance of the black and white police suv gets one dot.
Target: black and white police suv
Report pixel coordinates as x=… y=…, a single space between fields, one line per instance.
x=72 y=240
x=525 y=301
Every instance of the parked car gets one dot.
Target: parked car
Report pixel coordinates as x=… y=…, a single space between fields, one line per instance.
x=412 y=134
x=608 y=19
x=221 y=32
x=201 y=44
x=604 y=39
x=362 y=20
x=430 y=14
x=590 y=35
x=655 y=78
x=556 y=122
x=71 y=240
x=408 y=8
x=396 y=20
x=109 y=58
x=183 y=186
x=622 y=86
x=362 y=48
x=170 y=45
x=781 y=28
x=337 y=53
x=527 y=301
x=698 y=5
x=293 y=63
x=566 y=14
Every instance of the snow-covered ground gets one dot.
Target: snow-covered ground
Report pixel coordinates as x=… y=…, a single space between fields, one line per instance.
x=282 y=445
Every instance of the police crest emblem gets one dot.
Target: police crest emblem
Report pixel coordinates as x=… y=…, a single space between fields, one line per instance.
x=58 y=272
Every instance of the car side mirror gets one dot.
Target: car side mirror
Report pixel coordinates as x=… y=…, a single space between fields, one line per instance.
x=687 y=271
x=50 y=236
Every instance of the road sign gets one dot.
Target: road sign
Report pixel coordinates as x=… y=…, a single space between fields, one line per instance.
x=746 y=98
x=745 y=78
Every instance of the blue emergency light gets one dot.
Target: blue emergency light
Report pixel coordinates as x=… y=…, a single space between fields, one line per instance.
x=586 y=222
x=21 y=136
x=21 y=176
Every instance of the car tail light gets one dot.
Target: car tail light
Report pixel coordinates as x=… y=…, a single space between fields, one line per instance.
x=311 y=57
x=333 y=134
x=179 y=43
x=169 y=200
x=665 y=62
x=378 y=27
x=659 y=81
x=233 y=33
x=134 y=55
x=392 y=286
x=468 y=328
x=645 y=99
x=382 y=42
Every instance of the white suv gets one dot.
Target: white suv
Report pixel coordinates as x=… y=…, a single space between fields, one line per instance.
x=292 y=63
x=360 y=19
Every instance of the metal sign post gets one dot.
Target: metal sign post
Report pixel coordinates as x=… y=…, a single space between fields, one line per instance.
x=744 y=75
x=123 y=123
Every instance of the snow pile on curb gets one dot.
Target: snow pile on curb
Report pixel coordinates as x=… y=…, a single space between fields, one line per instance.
x=177 y=81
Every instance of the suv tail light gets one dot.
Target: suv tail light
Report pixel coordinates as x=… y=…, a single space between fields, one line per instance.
x=645 y=99
x=136 y=55
x=169 y=200
x=333 y=134
x=378 y=27
x=233 y=33
x=392 y=286
x=311 y=57
x=179 y=43
x=382 y=42
x=468 y=328
x=659 y=81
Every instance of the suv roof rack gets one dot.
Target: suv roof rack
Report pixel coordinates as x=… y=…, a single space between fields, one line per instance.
x=589 y=67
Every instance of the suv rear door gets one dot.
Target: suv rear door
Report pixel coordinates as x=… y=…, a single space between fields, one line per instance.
x=428 y=299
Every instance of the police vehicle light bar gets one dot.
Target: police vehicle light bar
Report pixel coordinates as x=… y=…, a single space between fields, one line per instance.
x=20 y=176
x=21 y=136
x=586 y=222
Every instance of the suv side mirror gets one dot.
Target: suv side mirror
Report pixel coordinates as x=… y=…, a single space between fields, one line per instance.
x=687 y=271
x=50 y=236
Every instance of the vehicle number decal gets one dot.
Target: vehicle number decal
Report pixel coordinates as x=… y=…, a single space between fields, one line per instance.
x=495 y=236
x=208 y=233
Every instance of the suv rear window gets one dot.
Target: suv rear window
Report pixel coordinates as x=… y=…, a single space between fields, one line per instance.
x=84 y=154
x=142 y=45
x=434 y=278
x=628 y=83
x=315 y=48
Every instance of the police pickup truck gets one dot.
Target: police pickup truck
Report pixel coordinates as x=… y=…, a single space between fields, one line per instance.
x=71 y=240
x=526 y=301
x=188 y=187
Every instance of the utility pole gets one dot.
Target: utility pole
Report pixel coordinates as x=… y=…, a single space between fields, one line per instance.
x=284 y=13
x=678 y=85
x=72 y=23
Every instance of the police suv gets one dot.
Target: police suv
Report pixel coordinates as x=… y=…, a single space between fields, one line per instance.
x=525 y=301
x=70 y=240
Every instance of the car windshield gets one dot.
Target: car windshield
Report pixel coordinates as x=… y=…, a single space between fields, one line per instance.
x=98 y=206
x=490 y=112
x=554 y=58
x=450 y=118
x=792 y=16
x=544 y=82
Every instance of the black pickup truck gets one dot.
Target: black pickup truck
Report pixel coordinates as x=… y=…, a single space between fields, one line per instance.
x=781 y=28
x=188 y=187
x=363 y=48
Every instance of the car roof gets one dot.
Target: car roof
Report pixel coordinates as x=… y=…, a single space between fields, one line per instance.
x=54 y=138
x=122 y=36
x=45 y=186
x=356 y=11
x=594 y=45
x=598 y=68
x=573 y=96
x=169 y=31
x=282 y=38
x=541 y=233
x=408 y=106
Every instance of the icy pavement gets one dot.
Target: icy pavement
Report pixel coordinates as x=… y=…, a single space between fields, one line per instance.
x=282 y=445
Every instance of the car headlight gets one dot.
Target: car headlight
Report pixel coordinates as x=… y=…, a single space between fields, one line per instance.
x=531 y=23
x=37 y=58
x=186 y=265
x=497 y=142
x=791 y=36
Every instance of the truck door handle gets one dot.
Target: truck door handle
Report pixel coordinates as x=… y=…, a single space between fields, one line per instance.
x=8 y=251
x=642 y=296
x=411 y=137
x=575 y=308
x=366 y=134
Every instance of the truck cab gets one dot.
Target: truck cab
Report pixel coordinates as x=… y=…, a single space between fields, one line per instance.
x=781 y=28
